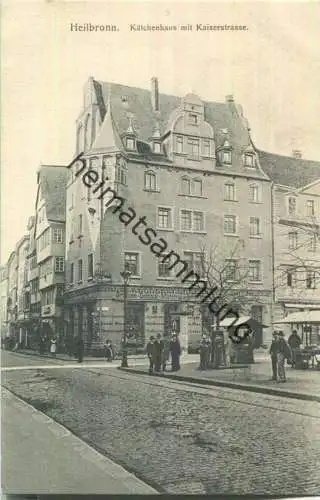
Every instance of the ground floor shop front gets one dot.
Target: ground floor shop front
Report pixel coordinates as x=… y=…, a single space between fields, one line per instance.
x=98 y=313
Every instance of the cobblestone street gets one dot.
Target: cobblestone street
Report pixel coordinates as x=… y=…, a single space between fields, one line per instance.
x=182 y=439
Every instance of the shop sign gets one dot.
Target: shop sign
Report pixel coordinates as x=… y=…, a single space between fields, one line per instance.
x=156 y=293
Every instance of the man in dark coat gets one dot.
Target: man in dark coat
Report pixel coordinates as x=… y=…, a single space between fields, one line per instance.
x=294 y=342
x=284 y=352
x=80 y=350
x=175 y=350
x=205 y=351
x=274 y=353
x=150 y=354
x=158 y=350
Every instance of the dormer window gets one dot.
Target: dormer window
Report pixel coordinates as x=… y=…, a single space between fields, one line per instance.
x=157 y=147
x=249 y=160
x=226 y=157
x=193 y=147
x=193 y=119
x=130 y=143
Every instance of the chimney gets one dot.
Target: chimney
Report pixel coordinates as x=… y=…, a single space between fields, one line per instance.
x=155 y=93
x=296 y=153
x=229 y=98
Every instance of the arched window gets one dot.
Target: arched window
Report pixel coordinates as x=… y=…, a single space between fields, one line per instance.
x=185 y=185
x=150 y=181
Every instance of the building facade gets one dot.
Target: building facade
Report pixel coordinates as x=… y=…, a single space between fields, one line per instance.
x=49 y=232
x=187 y=174
x=296 y=219
x=3 y=302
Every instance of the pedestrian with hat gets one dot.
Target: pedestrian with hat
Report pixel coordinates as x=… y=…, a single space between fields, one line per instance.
x=150 y=354
x=274 y=355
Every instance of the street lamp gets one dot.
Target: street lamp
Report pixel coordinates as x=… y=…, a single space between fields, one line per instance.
x=126 y=277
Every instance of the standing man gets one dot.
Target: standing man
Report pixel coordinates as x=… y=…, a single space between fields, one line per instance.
x=175 y=350
x=294 y=342
x=150 y=354
x=165 y=352
x=284 y=353
x=158 y=351
x=80 y=350
x=274 y=355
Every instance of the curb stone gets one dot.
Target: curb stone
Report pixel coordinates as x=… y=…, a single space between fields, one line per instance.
x=231 y=385
x=82 y=447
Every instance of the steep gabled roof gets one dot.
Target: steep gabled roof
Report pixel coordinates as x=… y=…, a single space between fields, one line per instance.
x=137 y=101
x=288 y=171
x=53 y=181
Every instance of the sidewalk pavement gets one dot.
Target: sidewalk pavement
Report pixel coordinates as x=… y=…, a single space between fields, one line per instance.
x=141 y=358
x=40 y=456
x=301 y=384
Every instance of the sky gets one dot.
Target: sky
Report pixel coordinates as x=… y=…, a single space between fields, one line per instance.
x=272 y=69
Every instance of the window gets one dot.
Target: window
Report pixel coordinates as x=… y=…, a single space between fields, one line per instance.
x=254 y=270
x=44 y=240
x=164 y=270
x=131 y=263
x=186 y=186
x=249 y=160
x=230 y=224
x=150 y=181
x=310 y=208
x=186 y=220
x=45 y=268
x=130 y=143
x=193 y=119
x=292 y=206
x=255 y=226
x=195 y=261
x=313 y=243
x=226 y=157
x=293 y=241
x=157 y=147
x=229 y=191
x=291 y=278
x=80 y=270
x=193 y=147
x=60 y=291
x=179 y=144
x=57 y=236
x=311 y=279
x=206 y=148
x=59 y=264
x=198 y=221
x=197 y=187
x=90 y=265
x=72 y=273
x=164 y=218
x=254 y=193
x=231 y=270
x=80 y=224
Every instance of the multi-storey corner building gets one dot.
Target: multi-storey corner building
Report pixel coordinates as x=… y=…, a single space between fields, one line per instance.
x=4 y=330
x=191 y=182
x=49 y=234
x=296 y=234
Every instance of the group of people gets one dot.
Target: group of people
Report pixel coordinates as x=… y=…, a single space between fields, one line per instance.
x=280 y=351
x=160 y=349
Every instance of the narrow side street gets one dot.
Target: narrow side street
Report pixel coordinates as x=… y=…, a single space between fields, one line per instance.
x=177 y=438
